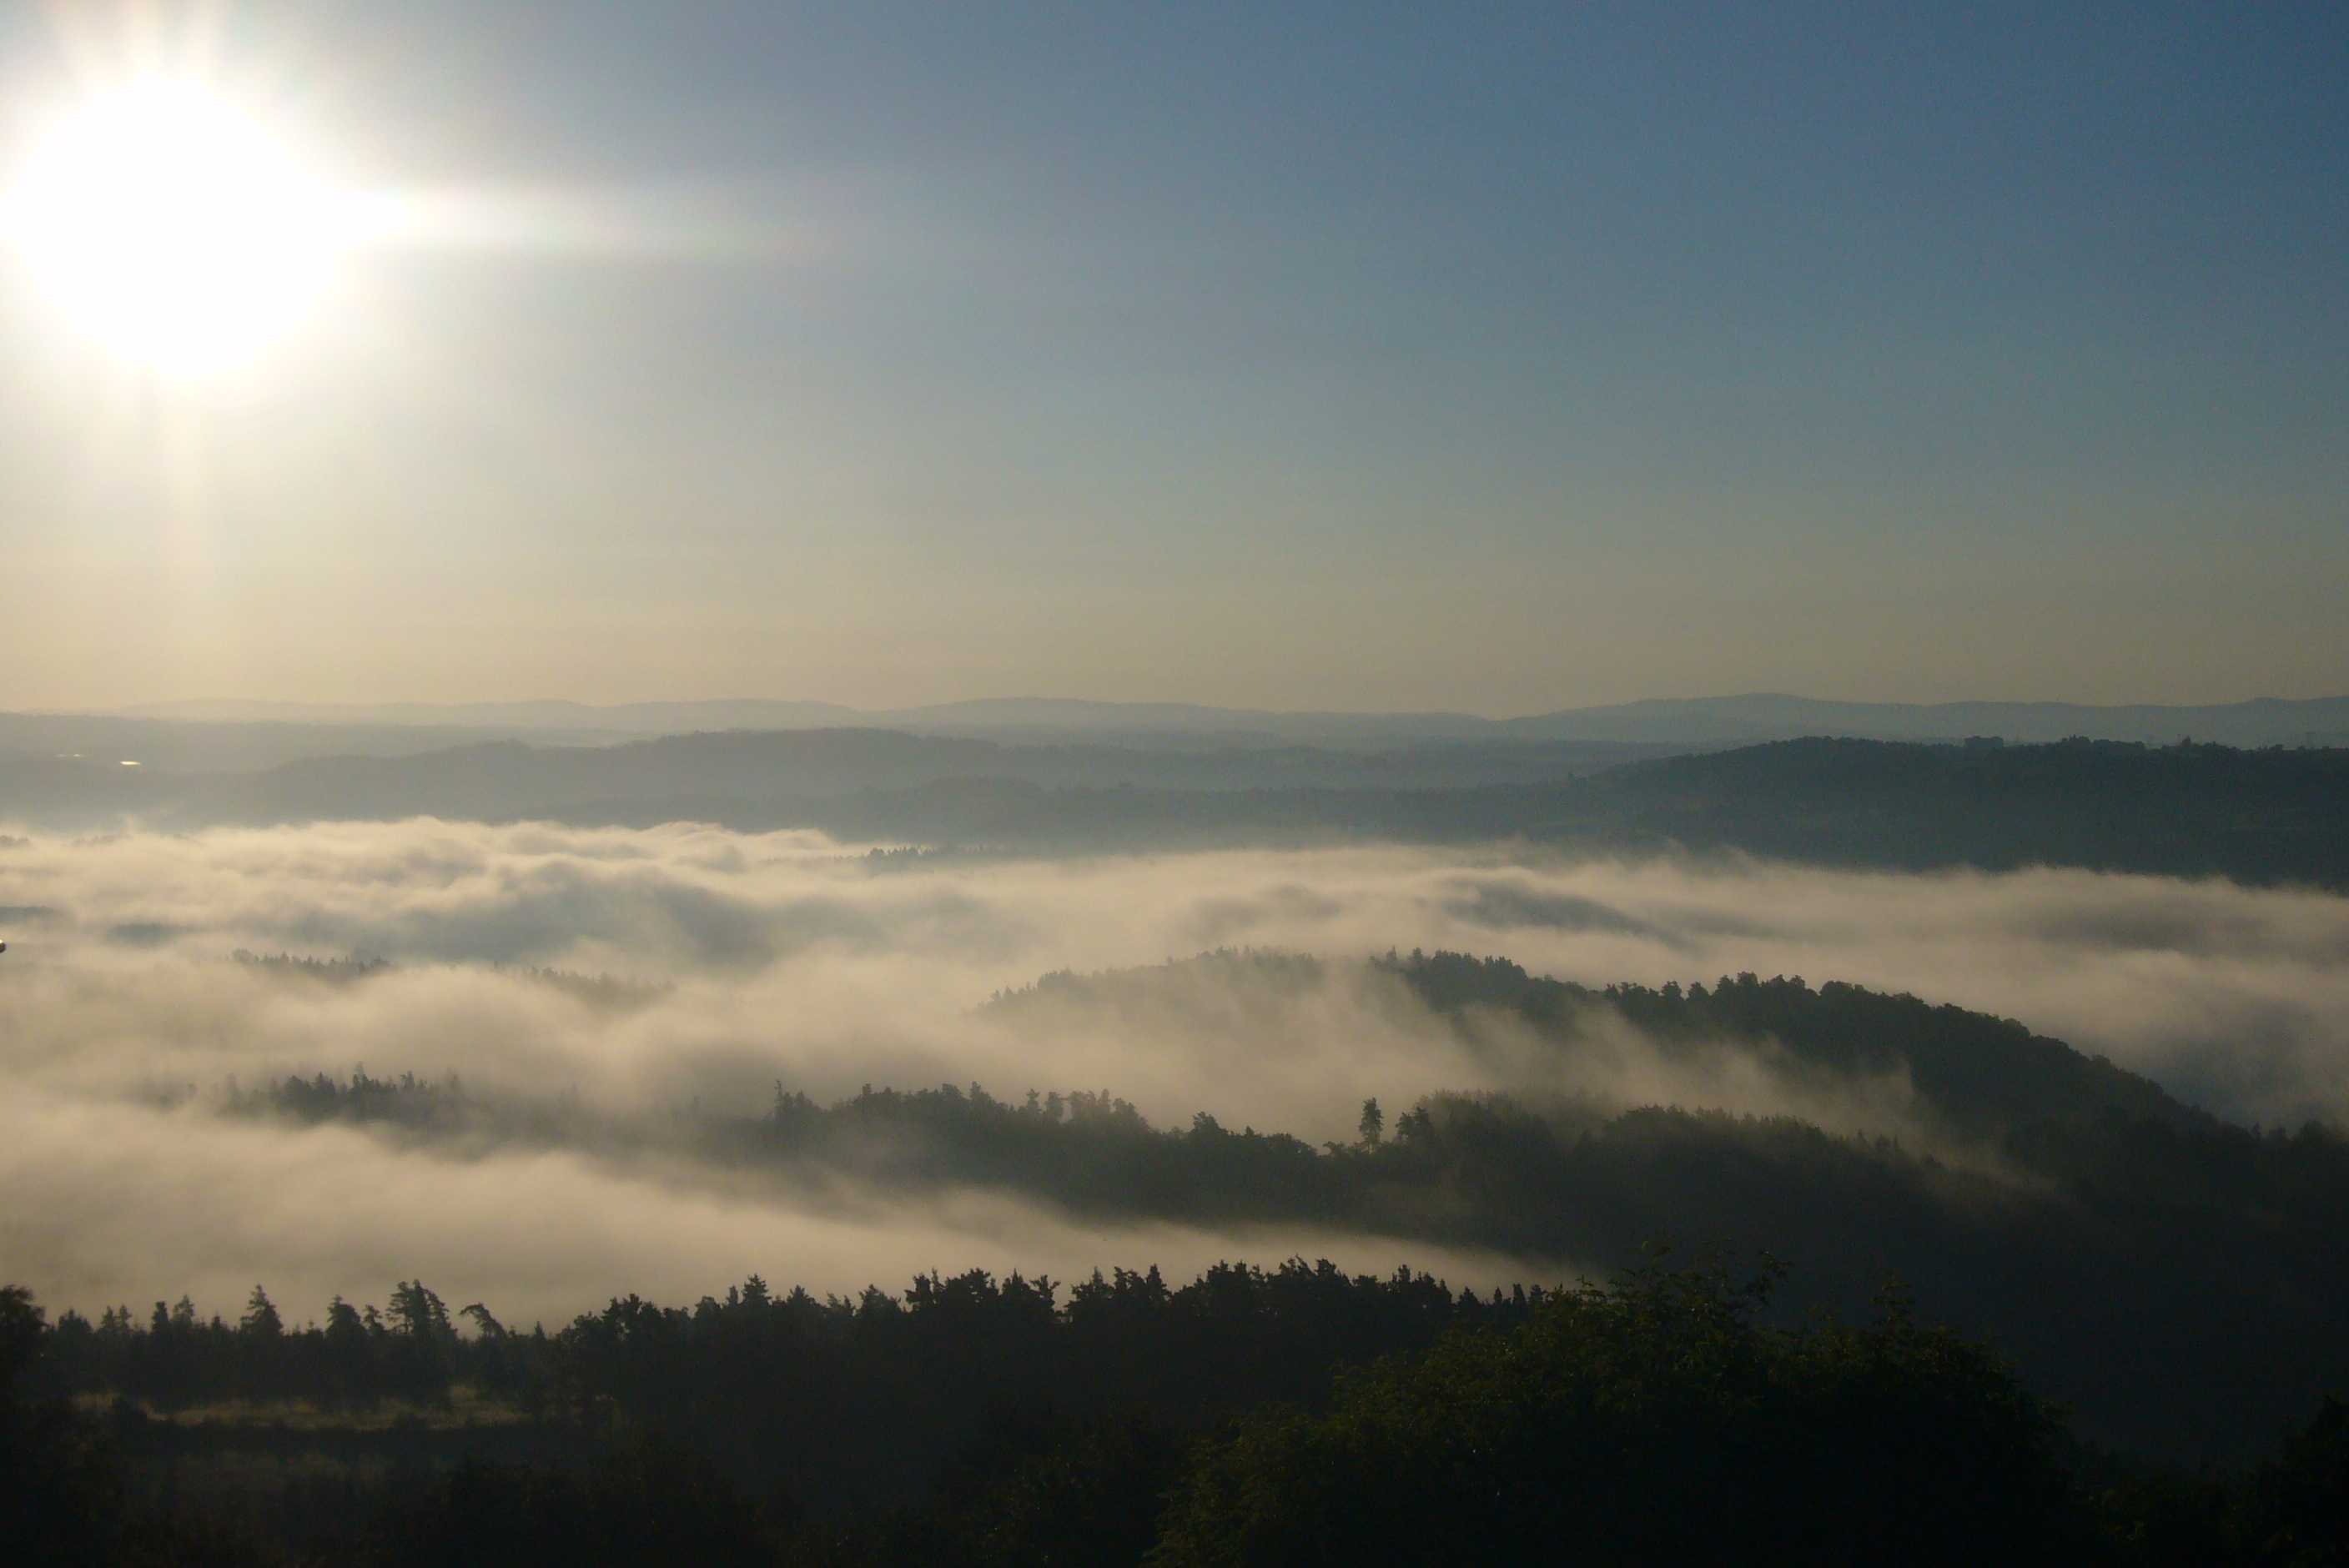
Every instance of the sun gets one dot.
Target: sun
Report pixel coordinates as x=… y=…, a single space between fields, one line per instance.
x=170 y=226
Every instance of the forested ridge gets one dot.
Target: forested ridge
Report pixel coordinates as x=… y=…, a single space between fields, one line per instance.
x=2190 y=809
x=2090 y=1223
x=2270 y=815
x=2168 y=1285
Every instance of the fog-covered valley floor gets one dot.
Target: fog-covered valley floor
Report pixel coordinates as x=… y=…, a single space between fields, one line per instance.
x=625 y=984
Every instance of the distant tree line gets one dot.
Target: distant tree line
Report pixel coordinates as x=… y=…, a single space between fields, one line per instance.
x=2266 y=816
x=597 y=990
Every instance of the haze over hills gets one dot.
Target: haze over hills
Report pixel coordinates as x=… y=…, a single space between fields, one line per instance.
x=1691 y=721
x=2261 y=816
x=236 y=745
x=1874 y=1132
x=196 y=777
x=2264 y=721
x=916 y=831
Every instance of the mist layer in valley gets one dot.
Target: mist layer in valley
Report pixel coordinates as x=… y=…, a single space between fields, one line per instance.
x=736 y=964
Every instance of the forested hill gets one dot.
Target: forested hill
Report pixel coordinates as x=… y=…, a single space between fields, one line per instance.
x=2089 y=1221
x=2091 y=1226
x=741 y=777
x=2274 y=816
x=2268 y=816
x=1974 y=1077
x=1981 y=1076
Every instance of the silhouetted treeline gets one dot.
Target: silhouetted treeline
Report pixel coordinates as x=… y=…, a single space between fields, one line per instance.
x=359 y=1356
x=865 y=1403
x=333 y=970
x=1662 y=1417
x=1248 y=1334
x=596 y=990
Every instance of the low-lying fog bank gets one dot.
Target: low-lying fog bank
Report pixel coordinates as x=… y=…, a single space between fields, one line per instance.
x=745 y=961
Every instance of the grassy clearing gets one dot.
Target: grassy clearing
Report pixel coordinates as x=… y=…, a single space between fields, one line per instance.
x=467 y=1407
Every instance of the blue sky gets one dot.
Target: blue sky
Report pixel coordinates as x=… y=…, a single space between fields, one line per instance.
x=1489 y=358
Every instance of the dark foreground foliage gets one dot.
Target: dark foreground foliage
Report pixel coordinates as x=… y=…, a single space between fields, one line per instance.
x=1650 y=1422
x=1659 y=1419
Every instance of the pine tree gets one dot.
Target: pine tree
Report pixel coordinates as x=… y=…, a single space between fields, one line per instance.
x=261 y=1320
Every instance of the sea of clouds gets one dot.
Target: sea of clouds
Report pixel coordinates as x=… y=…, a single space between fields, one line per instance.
x=791 y=958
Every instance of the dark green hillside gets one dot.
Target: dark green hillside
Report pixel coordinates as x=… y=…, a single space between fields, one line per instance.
x=1981 y=1076
x=2268 y=816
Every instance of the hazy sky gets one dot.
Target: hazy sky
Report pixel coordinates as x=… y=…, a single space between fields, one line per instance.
x=1478 y=357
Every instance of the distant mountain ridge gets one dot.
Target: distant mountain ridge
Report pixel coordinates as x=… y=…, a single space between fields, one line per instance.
x=2263 y=816
x=1683 y=721
x=1761 y=716
x=742 y=777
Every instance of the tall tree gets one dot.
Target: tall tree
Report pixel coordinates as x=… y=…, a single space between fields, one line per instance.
x=261 y=1320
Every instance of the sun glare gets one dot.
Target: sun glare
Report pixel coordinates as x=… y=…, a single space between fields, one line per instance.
x=170 y=226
